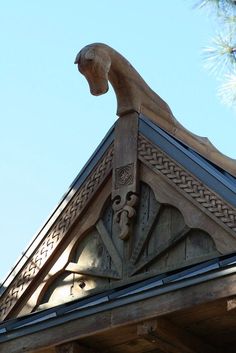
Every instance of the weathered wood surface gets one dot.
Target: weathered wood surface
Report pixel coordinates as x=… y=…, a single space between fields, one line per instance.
x=161 y=241
x=195 y=216
x=125 y=186
x=101 y=323
x=26 y=279
x=171 y=339
x=215 y=323
x=187 y=184
x=63 y=257
x=169 y=232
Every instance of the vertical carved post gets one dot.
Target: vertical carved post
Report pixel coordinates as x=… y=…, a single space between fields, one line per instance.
x=125 y=176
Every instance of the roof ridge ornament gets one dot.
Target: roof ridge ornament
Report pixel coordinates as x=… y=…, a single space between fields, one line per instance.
x=100 y=63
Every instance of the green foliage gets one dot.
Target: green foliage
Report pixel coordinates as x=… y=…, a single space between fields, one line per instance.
x=220 y=56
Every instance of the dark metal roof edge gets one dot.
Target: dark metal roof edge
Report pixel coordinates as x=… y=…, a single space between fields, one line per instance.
x=202 y=161
x=184 y=156
x=219 y=267
x=86 y=170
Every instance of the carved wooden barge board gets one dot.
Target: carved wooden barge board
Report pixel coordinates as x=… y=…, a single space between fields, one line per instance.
x=209 y=174
x=55 y=236
x=159 y=162
x=152 y=232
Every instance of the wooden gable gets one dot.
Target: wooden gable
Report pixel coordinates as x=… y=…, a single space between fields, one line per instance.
x=96 y=244
x=141 y=209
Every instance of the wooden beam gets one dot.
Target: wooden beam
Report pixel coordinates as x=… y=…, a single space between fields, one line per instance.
x=172 y=339
x=144 y=236
x=146 y=309
x=110 y=246
x=91 y=271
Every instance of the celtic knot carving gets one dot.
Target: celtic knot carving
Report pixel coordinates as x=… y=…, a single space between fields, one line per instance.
x=56 y=234
x=124 y=175
x=157 y=160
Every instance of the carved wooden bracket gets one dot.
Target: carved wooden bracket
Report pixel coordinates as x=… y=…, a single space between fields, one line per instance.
x=125 y=212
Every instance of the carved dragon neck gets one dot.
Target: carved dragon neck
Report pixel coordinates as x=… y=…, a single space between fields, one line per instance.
x=99 y=63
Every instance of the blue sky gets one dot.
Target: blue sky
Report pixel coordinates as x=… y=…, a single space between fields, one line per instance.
x=50 y=124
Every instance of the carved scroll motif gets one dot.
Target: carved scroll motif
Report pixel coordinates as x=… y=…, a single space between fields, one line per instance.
x=124 y=203
x=124 y=212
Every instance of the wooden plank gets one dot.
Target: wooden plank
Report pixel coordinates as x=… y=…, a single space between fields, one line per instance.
x=112 y=338
x=124 y=315
x=162 y=249
x=198 y=314
x=194 y=214
x=137 y=345
x=144 y=236
x=110 y=246
x=91 y=271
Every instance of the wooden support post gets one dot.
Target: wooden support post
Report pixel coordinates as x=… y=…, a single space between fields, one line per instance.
x=171 y=339
x=125 y=185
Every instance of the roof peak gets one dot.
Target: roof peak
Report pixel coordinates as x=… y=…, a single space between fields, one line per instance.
x=100 y=63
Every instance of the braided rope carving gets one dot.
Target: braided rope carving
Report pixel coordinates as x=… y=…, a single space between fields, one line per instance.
x=56 y=234
x=157 y=160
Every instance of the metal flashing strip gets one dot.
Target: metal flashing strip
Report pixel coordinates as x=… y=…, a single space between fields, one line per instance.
x=39 y=319
x=197 y=165
x=78 y=181
x=91 y=303
x=125 y=295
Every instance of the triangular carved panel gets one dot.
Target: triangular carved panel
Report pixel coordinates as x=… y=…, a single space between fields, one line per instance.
x=162 y=238
x=160 y=241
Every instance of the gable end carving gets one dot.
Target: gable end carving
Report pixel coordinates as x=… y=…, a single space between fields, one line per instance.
x=56 y=234
x=158 y=161
x=160 y=241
